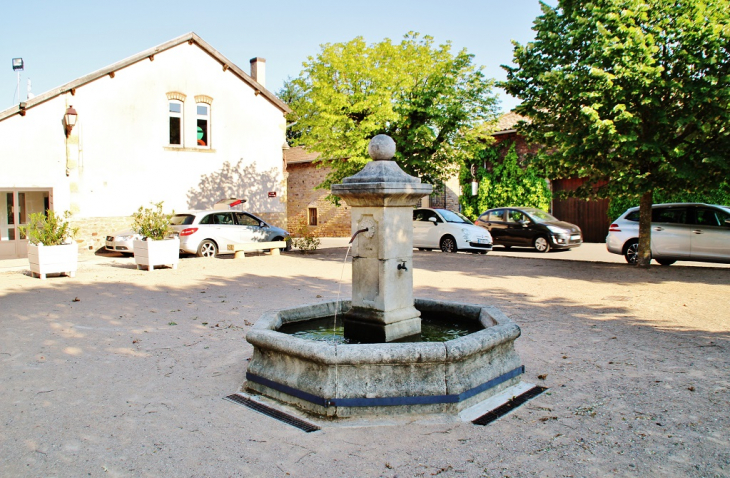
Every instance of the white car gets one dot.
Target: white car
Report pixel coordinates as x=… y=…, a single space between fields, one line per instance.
x=208 y=233
x=122 y=241
x=448 y=231
x=679 y=232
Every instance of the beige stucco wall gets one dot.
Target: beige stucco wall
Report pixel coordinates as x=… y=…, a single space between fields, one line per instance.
x=119 y=153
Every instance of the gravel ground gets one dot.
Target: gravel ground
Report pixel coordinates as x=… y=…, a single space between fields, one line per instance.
x=119 y=372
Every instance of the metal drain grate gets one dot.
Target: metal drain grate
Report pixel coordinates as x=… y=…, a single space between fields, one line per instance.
x=503 y=410
x=273 y=413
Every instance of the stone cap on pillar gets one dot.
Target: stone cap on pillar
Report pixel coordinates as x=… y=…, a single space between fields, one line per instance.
x=381 y=182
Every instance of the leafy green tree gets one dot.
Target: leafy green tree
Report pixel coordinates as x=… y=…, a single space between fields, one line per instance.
x=632 y=92
x=290 y=93
x=508 y=184
x=436 y=105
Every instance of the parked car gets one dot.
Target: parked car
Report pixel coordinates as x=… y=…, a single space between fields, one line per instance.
x=529 y=227
x=208 y=233
x=122 y=241
x=679 y=232
x=448 y=231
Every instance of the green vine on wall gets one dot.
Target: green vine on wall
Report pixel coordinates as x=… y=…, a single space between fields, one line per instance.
x=508 y=184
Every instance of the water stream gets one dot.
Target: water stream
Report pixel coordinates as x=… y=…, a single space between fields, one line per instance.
x=334 y=339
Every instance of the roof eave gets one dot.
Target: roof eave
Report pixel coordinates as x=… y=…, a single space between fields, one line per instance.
x=188 y=37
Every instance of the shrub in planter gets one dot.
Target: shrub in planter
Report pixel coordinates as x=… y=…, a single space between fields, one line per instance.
x=51 y=248
x=157 y=248
x=152 y=223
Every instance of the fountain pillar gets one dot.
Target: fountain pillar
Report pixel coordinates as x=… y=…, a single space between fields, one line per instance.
x=382 y=198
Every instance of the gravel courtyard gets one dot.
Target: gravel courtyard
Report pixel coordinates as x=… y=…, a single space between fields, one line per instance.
x=122 y=373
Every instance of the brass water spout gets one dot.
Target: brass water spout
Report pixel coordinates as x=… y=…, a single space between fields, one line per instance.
x=356 y=233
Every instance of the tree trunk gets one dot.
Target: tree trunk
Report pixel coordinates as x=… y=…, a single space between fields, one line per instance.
x=644 y=257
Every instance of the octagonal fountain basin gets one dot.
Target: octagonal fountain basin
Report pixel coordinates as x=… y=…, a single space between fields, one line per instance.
x=329 y=378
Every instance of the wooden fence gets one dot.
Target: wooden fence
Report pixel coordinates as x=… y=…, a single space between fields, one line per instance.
x=590 y=216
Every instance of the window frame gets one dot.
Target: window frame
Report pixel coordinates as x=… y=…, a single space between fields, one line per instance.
x=207 y=118
x=312 y=213
x=181 y=117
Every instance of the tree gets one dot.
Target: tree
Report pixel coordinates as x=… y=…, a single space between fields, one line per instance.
x=437 y=106
x=632 y=92
x=507 y=184
x=290 y=93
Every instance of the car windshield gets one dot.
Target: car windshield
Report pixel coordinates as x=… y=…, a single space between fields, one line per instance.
x=182 y=219
x=538 y=215
x=451 y=216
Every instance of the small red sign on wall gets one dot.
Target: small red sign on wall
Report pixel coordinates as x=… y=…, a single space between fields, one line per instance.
x=272 y=194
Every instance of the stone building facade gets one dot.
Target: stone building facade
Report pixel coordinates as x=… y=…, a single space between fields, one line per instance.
x=306 y=205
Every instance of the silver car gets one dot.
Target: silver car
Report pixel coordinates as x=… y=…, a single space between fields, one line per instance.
x=679 y=232
x=122 y=241
x=208 y=233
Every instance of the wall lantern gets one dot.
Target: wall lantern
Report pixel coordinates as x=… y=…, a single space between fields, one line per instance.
x=70 y=118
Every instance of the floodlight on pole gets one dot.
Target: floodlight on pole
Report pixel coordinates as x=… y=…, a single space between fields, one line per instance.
x=18 y=67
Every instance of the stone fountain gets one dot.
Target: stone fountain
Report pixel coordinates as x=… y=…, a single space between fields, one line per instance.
x=384 y=370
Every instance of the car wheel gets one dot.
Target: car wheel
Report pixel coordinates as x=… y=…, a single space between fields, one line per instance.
x=631 y=252
x=448 y=244
x=207 y=248
x=666 y=262
x=288 y=244
x=542 y=244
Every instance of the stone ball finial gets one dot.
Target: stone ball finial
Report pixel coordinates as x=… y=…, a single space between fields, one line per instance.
x=381 y=148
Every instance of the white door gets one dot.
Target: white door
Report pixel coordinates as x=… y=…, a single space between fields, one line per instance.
x=249 y=228
x=670 y=232
x=425 y=232
x=8 y=231
x=710 y=234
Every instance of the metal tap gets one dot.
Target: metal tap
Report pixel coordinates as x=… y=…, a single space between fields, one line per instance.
x=356 y=233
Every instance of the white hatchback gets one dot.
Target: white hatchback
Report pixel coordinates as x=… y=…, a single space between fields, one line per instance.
x=679 y=232
x=448 y=231
x=208 y=233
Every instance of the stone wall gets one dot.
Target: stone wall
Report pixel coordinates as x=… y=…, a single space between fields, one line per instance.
x=93 y=230
x=446 y=197
x=521 y=146
x=303 y=178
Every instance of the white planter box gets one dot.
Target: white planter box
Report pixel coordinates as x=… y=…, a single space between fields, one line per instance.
x=53 y=259
x=157 y=253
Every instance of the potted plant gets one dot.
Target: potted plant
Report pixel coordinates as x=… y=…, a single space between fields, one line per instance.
x=50 y=244
x=158 y=246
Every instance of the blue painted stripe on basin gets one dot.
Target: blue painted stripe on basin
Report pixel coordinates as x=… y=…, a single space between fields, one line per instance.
x=386 y=401
x=287 y=389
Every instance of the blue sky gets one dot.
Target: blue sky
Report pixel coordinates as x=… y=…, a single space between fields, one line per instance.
x=63 y=40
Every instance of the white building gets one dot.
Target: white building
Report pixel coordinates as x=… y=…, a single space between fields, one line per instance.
x=177 y=123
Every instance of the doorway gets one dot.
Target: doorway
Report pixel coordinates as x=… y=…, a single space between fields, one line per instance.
x=16 y=206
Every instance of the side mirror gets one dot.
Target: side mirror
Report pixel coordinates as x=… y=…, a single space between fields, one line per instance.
x=433 y=220
x=262 y=224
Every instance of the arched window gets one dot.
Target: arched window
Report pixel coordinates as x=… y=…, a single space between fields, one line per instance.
x=175 y=110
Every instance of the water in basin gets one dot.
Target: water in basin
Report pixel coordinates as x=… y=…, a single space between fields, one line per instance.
x=433 y=329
